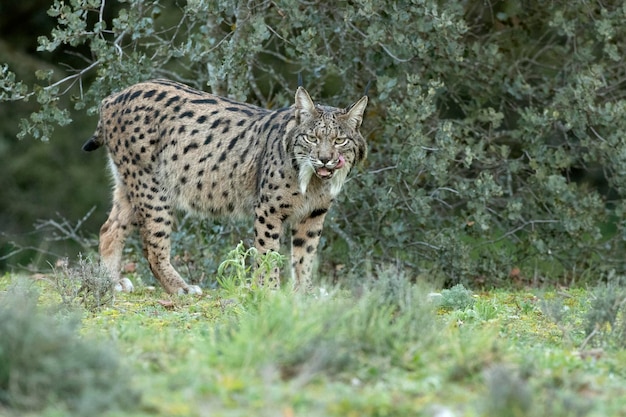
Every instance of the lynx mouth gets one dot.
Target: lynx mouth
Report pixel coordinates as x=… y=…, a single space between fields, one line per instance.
x=325 y=172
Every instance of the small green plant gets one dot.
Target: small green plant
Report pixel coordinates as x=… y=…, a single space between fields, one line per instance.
x=43 y=362
x=244 y=266
x=86 y=284
x=456 y=298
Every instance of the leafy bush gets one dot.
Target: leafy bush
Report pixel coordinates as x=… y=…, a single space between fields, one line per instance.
x=43 y=362
x=496 y=130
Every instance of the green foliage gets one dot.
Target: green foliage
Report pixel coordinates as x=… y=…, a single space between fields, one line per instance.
x=44 y=362
x=496 y=131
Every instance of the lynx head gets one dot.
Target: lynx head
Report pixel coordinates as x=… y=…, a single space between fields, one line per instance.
x=326 y=142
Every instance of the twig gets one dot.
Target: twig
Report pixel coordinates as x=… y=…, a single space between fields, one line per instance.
x=588 y=338
x=25 y=248
x=517 y=229
x=65 y=230
x=377 y=171
x=387 y=51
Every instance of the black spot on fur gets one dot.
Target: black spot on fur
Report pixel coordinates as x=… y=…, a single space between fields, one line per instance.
x=172 y=101
x=318 y=212
x=189 y=147
x=204 y=101
x=161 y=96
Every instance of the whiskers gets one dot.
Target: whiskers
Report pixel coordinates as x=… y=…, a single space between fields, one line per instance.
x=301 y=159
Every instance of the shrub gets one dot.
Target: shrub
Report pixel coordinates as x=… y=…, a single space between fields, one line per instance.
x=496 y=131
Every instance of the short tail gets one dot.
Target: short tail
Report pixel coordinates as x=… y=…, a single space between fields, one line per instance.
x=92 y=144
x=95 y=141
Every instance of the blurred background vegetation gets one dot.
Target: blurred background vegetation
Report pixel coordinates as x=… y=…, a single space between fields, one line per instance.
x=496 y=129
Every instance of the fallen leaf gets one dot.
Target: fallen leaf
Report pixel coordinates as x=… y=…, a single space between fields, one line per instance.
x=130 y=267
x=39 y=276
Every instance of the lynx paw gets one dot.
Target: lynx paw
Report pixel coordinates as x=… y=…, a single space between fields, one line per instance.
x=190 y=290
x=124 y=285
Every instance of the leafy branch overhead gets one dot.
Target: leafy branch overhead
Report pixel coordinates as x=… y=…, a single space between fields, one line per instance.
x=496 y=129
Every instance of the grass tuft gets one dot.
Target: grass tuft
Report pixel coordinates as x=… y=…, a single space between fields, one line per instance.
x=607 y=311
x=86 y=284
x=302 y=336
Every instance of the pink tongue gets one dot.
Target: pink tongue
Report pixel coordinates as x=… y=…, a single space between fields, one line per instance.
x=341 y=162
x=323 y=172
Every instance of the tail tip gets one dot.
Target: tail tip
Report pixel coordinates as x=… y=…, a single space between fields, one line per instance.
x=92 y=144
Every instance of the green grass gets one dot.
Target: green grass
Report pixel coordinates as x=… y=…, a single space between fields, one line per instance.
x=386 y=348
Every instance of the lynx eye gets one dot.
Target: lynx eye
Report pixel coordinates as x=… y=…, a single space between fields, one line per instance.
x=310 y=139
x=341 y=140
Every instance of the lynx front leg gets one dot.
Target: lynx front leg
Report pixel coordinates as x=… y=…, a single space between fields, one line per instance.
x=267 y=230
x=304 y=240
x=113 y=234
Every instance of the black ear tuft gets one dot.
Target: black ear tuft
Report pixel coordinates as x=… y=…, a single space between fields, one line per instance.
x=367 y=88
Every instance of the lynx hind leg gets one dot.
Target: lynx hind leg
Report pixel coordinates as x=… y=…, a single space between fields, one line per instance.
x=155 y=233
x=113 y=234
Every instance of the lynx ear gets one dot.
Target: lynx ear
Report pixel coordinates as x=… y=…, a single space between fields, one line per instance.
x=305 y=108
x=354 y=116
